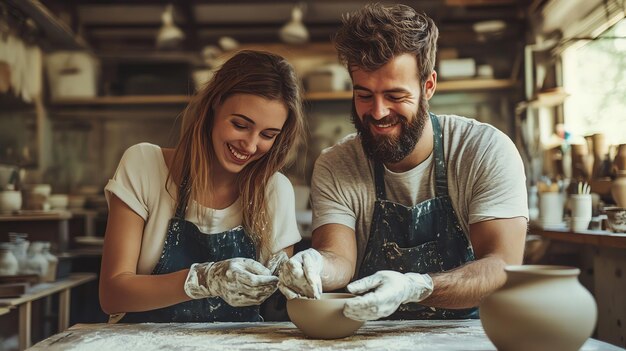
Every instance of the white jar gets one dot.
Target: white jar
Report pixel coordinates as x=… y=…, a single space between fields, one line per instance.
x=8 y=262
x=20 y=250
x=36 y=263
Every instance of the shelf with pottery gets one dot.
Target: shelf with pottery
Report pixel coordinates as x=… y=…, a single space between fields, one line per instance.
x=51 y=225
x=442 y=87
x=27 y=215
x=24 y=302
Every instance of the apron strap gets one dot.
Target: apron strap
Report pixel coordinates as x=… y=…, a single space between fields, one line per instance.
x=441 y=176
x=183 y=199
x=379 y=181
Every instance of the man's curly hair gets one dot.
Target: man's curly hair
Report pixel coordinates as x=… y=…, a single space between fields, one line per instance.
x=372 y=36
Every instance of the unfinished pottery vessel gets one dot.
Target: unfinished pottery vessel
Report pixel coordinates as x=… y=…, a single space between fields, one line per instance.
x=617 y=218
x=539 y=308
x=618 y=189
x=323 y=318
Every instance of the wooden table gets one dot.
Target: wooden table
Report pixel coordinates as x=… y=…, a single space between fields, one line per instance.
x=38 y=291
x=600 y=238
x=378 y=335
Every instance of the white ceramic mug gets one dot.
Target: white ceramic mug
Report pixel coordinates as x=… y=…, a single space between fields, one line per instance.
x=551 y=209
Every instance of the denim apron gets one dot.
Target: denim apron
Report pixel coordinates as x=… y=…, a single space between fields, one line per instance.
x=186 y=245
x=425 y=238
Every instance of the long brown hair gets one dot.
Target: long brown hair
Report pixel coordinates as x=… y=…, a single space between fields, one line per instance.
x=373 y=35
x=248 y=72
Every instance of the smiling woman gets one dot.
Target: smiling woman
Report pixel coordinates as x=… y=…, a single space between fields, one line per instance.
x=245 y=129
x=195 y=233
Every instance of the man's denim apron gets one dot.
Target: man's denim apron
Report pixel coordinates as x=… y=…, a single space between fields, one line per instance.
x=425 y=238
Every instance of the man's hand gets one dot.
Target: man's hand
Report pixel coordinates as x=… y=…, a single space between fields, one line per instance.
x=239 y=281
x=300 y=276
x=385 y=292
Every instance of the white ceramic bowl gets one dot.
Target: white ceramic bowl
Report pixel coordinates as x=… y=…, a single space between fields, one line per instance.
x=76 y=201
x=10 y=200
x=58 y=201
x=617 y=218
x=323 y=318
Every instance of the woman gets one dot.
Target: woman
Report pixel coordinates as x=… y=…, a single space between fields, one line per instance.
x=230 y=209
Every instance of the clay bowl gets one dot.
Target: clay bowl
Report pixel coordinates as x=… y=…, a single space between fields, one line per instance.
x=323 y=318
x=617 y=218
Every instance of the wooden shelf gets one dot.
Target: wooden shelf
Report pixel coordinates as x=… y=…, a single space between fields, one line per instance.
x=442 y=87
x=473 y=84
x=123 y=100
x=328 y=95
x=588 y=237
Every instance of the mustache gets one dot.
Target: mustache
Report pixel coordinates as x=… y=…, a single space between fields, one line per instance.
x=390 y=119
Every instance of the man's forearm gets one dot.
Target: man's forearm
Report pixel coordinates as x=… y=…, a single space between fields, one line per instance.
x=337 y=271
x=466 y=286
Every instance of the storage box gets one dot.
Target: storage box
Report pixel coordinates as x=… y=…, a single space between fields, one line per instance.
x=457 y=68
x=332 y=77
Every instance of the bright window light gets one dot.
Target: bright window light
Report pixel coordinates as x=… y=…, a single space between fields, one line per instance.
x=594 y=74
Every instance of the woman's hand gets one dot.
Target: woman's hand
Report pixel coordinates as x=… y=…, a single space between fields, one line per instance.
x=300 y=276
x=239 y=281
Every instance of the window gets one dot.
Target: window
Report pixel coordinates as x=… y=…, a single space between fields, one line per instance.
x=594 y=74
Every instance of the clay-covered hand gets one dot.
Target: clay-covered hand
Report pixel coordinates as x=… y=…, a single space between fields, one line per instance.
x=239 y=281
x=276 y=262
x=300 y=276
x=384 y=292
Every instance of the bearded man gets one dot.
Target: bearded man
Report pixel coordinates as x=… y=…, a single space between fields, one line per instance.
x=420 y=212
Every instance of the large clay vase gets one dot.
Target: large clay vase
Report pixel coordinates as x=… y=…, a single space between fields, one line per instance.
x=581 y=167
x=618 y=189
x=619 y=162
x=600 y=149
x=539 y=308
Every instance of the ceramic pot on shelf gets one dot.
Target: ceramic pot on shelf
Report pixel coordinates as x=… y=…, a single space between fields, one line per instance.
x=36 y=262
x=599 y=150
x=618 y=189
x=582 y=163
x=619 y=162
x=8 y=262
x=539 y=308
x=20 y=250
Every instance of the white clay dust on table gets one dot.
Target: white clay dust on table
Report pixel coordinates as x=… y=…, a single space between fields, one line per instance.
x=412 y=335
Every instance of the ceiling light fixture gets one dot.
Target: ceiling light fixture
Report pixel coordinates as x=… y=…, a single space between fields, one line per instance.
x=170 y=36
x=294 y=32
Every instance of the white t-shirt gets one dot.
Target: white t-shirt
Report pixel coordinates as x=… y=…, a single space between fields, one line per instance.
x=139 y=181
x=486 y=180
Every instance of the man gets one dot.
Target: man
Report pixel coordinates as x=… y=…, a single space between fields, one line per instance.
x=415 y=207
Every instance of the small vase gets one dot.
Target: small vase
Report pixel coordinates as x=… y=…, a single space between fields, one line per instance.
x=20 y=251
x=8 y=262
x=539 y=308
x=36 y=262
x=618 y=189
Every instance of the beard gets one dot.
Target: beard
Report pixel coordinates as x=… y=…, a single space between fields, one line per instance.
x=391 y=149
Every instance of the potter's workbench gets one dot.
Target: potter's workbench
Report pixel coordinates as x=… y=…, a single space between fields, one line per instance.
x=378 y=335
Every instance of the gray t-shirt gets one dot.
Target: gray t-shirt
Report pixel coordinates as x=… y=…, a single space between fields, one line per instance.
x=486 y=180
